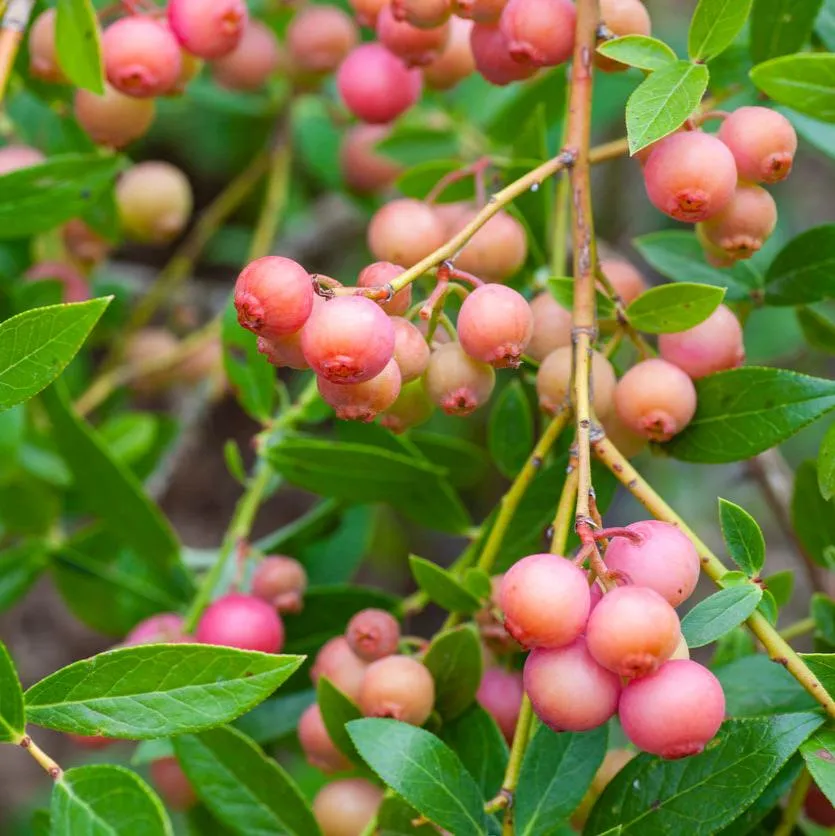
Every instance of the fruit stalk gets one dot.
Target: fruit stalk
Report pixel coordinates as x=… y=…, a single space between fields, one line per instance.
x=44 y=761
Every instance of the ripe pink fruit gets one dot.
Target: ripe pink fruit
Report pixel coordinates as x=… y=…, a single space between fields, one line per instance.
x=711 y=346
x=251 y=63
x=569 y=691
x=626 y=279
x=208 y=28
x=632 y=631
x=626 y=440
x=316 y=743
x=43 y=59
x=424 y=14
x=375 y=85
x=655 y=399
x=172 y=784
x=74 y=286
x=762 y=141
x=320 y=37
x=456 y=62
x=154 y=200
x=280 y=581
x=500 y=694
x=553 y=381
x=83 y=242
x=15 y=157
x=497 y=250
x=287 y=350
x=381 y=273
x=164 y=628
x=411 y=408
x=362 y=401
x=273 y=296
x=241 y=621
x=481 y=11
x=545 y=600
x=398 y=687
x=663 y=559
x=622 y=17
x=346 y=808
x=457 y=383
x=416 y=47
x=336 y=661
x=373 y=634
x=539 y=32
x=411 y=353
x=743 y=226
x=114 y=119
x=366 y=170
x=673 y=712
x=690 y=176
x=348 y=340
x=551 y=326
x=491 y=52
x=495 y=324
x=141 y=56
x=404 y=231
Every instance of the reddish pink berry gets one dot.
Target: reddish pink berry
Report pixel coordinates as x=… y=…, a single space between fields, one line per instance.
x=74 y=286
x=251 y=63
x=424 y=14
x=416 y=47
x=164 y=628
x=411 y=353
x=622 y=17
x=346 y=808
x=381 y=273
x=336 y=661
x=154 y=200
x=456 y=382
x=287 y=350
x=551 y=326
x=280 y=581
x=172 y=784
x=627 y=280
x=114 y=119
x=375 y=85
x=655 y=399
x=500 y=694
x=497 y=250
x=818 y=807
x=316 y=743
x=495 y=324
x=568 y=689
x=91 y=742
x=366 y=11
x=713 y=345
x=362 y=401
x=553 y=382
x=481 y=11
x=539 y=32
x=241 y=621
x=744 y=225
x=626 y=440
x=366 y=170
x=208 y=28
x=373 y=634
x=398 y=687
x=762 y=141
x=411 y=408
x=320 y=37
x=545 y=600
x=15 y=157
x=404 y=231
x=43 y=59
x=673 y=712
x=491 y=52
x=456 y=62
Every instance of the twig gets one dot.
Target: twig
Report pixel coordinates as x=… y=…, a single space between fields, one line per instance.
x=794 y=804
x=47 y=764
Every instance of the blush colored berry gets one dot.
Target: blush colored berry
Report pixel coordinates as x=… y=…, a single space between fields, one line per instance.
x=398 y=687
x=172 y=784
x=280 y=581
x=690 y=176
x=367 y=11
x=568 y=689
x=83 y=242
x=74 y=287
x=148 y=346
x=241 y=621
x=141 y=56
x=336 y=661
x=622 y=17
x=362 y=401
x=682 y=651
x=15 y=157
x=164 y=628
x=154 y=200
x=655 y=399
x=208 y=28
x=675 y=711
x=416 y=47
x=381 y=273
x=495 y=324
x=320 y=37
x=424 y=14
x=762 y=141
x=346 y=808
x=481 y=11
x=627 y=280
x=456 y=62
x=457 y=383
x=251 y=63
x=713 y=345
x=373 y=634
x=551 y=326
x=113 y=119
x=553 y=382
x=411 y=353
x=316 y=743
x=497 y=250
x=411 y=408
x=500 y=694
x=376 y=86
x=43 y=59
x=491 y=53
x=744 y=225
x=662 y=559
x=545 y=600
x=453 y=216
x=632 y=631
x=404 y=231
x=366 y=170
x=92 y=742
x=818 y=807
x=539 y=32
x=627 y=441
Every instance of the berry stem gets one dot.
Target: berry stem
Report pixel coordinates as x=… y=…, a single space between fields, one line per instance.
x=794 y=804
x=14 y=23
x=47 y=764
x=275 y=198
x=565 y=512
x=799 y=628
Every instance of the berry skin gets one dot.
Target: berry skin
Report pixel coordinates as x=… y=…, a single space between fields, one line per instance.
x=398 y=687
x=241 y=621
x=569 y=691
x=632 y=631
x=15 y=157
x=713 y=345
x=545 y=600
x=114 y=119
x=208 y=28
x=43 y=59
x=626 y=440
x=411 y=353
x=621 y=17
x=551 y=326
x=287 y=350
x=381 y=273
x=164 y=628
x=497 y=250
x=500 y=694
x=481 y=11
x=367 y=11
x=457 y=383
x=663 y=559
x=348 y=340
x=495 y=324
x=655 y=399
x=493 y=60
x=346 y=808
x=373 y=634
x=316 y=743
x=366 y=170
x=539 y=32
x=154 y=200
x=251 y=63
x=74 y=286
x=362 y=401
x=763 y=143
x=673 y=712
x=281 y=582
x=93 y=742
x=818 y=807
x=141 y=56
x=743 y=226
x=172 y=784
x=411 y=408
x=424 y=14
x=336 y=661
x=624 y=278
x=404 y=231
x=83 y=242
x=319 y=38
x=416 y=47
x=456 y=62
x=376 y=86
x=553 y=381
x=690 y=176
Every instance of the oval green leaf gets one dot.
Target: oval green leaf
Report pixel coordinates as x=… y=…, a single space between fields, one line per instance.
x=804 y=270
x=12 y=714
x=719 y=614
x=454 y=659
x=669 y=308
x=510 y=429
x=20 y=567
x=639 y=51
x=714 y=26
x=779 y=27
x=818 y=329
x=338 y=710
x=805 y=82
x=812 y=516
x=743 y=537
x=826 y=464
x=441 y=587
x=819 y=753
x=78 y=44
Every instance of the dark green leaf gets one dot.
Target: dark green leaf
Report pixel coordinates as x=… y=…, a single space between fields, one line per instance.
x=805 y=82
x=755 y=686
x=562 y=289
x=715 y=25
x=812 y=516
x=79 y=44
x=510 y=430
x=638 y=51
x=768 y=607
x=743 y=537
x=276 y=717
x=819 y=753
x=466 y=463
x=338 y=710
x=804 y=270
x=719 y=613
x=319 y=521
x=454 y=659
x=520 y=101
x=779 y=27
x=673 y=307
x=395 y=817
x=826 y=464
x=41 y=823
x=335 y=558
x=12 y=715
x=823 y=666
x=441 y=587
x=420 y=179
x=781 y=586
x=413 y=144
x=823 y=611
x=818 y=329
x=20 y=567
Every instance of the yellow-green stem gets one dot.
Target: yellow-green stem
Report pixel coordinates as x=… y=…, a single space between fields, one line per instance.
x=521 y=736
x=44 y=761
x=794 y=804
x=799 y=628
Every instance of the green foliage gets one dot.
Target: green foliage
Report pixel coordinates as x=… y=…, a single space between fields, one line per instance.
x=743 y=537
x=12 y=712
x=719 y=613
x=638 y=51
x=804 y=82
x=442 y=587
x=337 y=711
x=510 y=433
x=812 y=516
x=755 y=686
x=78 y=44
x=715 y=25
x=802 y=271
x=454 y=659
x=779 y=27
x=673 y=307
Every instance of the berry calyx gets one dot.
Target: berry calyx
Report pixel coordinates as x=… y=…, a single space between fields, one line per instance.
x=744 y=225
x=381 y=273
x=316 y=743
x=208 y=28
x=281 y=582
x=373 y=634
x=553 y=382
x=336 y=661
x=241 y=621
x=362 y=401
x=404 y=231
x=398 y=687
x=495 y=324
x=762 y=141
x=456 y=382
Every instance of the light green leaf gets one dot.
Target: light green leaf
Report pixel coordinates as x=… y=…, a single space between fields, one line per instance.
x=454 y=658
x=743 y=537
x=510 y=429
x=779 y=27
x=805 y=82
x=639 y=51
x=441 y=587
x=714 y=26
x=337 y=710
x=819 y=753
x=719 y=614
x=669 y=308
x=78 y=44
x=12 y=714
x=826 y=464
x=562 y=289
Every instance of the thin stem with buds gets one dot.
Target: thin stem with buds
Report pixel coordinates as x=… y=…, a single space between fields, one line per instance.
x=44 y=761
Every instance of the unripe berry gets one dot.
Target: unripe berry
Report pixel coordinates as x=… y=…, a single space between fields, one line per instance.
x=411 y=408
x=626 y=279
x=690 y=176
x=241 y=621
x=280 y=581
x=141 y=56
x=376 y=86
x=146 y=346
x=493 y=60
x=373 y=634
x=632 y=631
x=43 y=59
x=381 y=273
x=83 y=242
x=621 y=17
x=114 y=119
x=662 y=559
x=481 y=11
x=362 y=401
x=655 y=399
x=500 y=694
x=74 y=286
x=568 y=689
x=626 y=440
x=251 y=63
x=172 y=784
x=208 y=28
x=154 y=200
x=744 y=225
x=818 y=807
x=539 y=32
x=762 y=141
x=416 y=47
x=348 y=340
x=553 y=381
x=364 y=169
x=398 y=687
x=545 y=600
x=411 y=353
x=456 y=62
x=457 y=383
x=15 y=157
x=495 y=324
x=336 y=661
x=424 y=14
x=164 y=628
x=673 y=712
x=551 y=326
x=346 y=808
x=497 y=250
x=404 y=231
x=316 y=743
x=713 y=345
x=320 y=37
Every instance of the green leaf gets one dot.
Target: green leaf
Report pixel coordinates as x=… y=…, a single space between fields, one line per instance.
x=12 y=714
x=466 y=464
x=276 y=717
x=822 y=610
x=743 y=412
x=714 y=26
x=20 y=567
x=669 y=308
x=510 y=430
x=243 y=788
x=102 y=800
x=755 y=686
x=78 y=44
x=395 y=817
x=812 y=516
x=780 y=27
x=654 y=797
x=639 y=51
x=441 y=587
x=804 y=270
x=412 y=144
x=819 y=753
x=151 y=691
x=454 y=659
x=662 y=102
x=818 y=329
x=419 y=180
x=519 y=102
x=805 y=82
x=37 y=345
x=826 y=464
x=556 y=772
x=426 y=772
x=41 y=823
x=337 y=710
x=823 y=666
x=743 y=537
x=719 y=614
x=234 y=461
x=335 y=558
x=781 y=586
x=562 y=289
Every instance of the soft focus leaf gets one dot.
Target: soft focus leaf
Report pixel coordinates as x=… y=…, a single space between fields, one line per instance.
x=719 y=614
x=802 y=272
x=812 y=516
x=818 y=329
x=441 y=587
x=20 y=567
x=276 y=717
x=805 y=82
x=510 y=430
x=779 y=27
x=639 y=51
x=12 y=715
x=78 y=44
x=337 y=711
x=819 y=753
x=743 y=537
x=826 y=464
x=755 y=686
x=454 y=658
x=466 y=464
x=714 y=26
x=673 y=307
